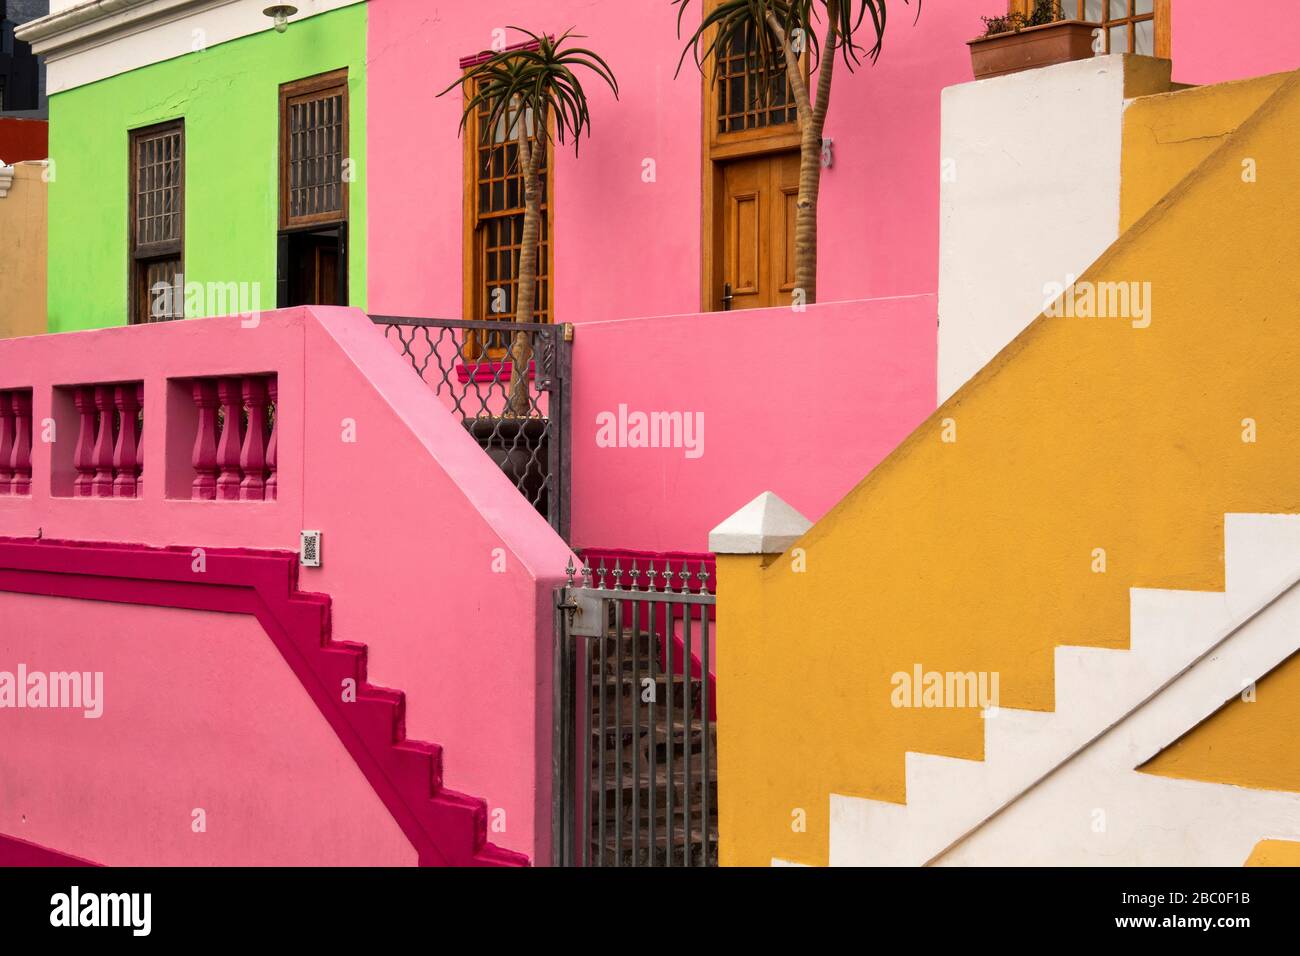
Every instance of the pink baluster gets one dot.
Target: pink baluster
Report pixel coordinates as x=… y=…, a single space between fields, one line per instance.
x=6 y=442
x=84 y=398
x=139 y=452
x=125 y=457
x=252 y=457
x=205 y=441
x=228 y=393
x=273 y=447
x=101 y=486
x=20 y=461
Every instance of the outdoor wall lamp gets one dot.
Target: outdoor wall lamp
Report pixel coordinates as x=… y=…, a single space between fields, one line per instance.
x=280 y=13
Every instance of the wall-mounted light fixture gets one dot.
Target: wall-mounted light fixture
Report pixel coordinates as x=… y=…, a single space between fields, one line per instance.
x=280 y=13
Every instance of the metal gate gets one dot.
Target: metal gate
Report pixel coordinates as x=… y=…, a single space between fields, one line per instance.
x=467 y=364
x=635 y=773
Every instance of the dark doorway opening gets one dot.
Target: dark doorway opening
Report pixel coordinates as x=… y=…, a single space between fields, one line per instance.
x=313 y=267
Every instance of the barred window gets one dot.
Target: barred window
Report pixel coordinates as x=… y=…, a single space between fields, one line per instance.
x=157 y=216
x=313 y=147
x=495 y=201
x=742 y=102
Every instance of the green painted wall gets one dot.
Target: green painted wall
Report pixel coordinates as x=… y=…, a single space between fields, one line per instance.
x=228 y=96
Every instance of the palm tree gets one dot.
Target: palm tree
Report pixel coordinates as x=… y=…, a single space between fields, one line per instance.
x=521 y=91
x=781 y=30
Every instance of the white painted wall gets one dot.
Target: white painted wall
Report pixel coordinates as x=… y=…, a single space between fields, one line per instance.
x=97 y=39
x=1029 y=194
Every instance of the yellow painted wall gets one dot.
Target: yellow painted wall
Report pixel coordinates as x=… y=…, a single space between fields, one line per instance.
x=1275 y=853
x=1168 y=135
x=1250 y=744
x=978 y=554
x=22 y=254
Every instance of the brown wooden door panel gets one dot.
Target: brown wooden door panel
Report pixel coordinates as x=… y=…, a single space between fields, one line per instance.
x=785 y=173
x=746 y=228
x=757 y=212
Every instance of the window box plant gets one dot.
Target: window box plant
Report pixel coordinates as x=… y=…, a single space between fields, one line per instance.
x=1025 y=41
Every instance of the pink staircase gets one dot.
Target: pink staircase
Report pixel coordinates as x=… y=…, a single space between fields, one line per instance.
x=445 y=828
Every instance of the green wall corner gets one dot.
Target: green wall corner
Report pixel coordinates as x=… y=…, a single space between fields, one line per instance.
x=228 y=96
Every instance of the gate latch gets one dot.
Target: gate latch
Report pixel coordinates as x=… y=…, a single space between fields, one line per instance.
x=587 y=614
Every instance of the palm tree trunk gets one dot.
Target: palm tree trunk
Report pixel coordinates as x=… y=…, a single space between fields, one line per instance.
x=812 y=123
x=521 y=348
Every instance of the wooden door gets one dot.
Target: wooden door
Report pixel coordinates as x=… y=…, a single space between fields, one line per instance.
x=757 y=210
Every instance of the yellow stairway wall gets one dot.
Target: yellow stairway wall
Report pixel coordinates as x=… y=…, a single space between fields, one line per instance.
x=1250 y=743
x=978 y=554
x=1168 y=135
x=1275 y=853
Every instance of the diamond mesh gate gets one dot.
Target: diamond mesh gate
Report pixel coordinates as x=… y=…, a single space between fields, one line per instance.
x=522 y=423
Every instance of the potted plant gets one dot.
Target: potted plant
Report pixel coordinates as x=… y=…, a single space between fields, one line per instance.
x=1025 y=41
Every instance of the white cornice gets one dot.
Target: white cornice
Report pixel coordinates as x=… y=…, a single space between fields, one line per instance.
x=99 y=21
x=97 y=39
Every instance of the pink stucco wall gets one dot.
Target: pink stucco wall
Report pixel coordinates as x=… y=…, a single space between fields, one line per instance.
x=802 y=404
x=200 y=712
x=412 y=515
x=1214 y=42
x=623 y=246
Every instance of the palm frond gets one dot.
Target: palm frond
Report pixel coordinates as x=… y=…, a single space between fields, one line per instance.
x=540 y=78
x=729 y=24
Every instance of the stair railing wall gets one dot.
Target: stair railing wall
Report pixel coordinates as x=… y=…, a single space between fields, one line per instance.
x=525 y=426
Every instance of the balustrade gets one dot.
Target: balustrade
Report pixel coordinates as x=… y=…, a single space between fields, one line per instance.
x=235 y=445
x=16 y=442
x=107 y=458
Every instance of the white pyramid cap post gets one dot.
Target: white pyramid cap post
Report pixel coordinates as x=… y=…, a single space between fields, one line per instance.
x=767 y=525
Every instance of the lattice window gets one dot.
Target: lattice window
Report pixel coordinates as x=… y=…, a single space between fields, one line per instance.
x=742 y=104
x=313 y=148
x=1130 y=26
x=157 y=215
x=497 y=193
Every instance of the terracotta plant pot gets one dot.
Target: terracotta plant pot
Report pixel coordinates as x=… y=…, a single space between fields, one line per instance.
x=1032 y=47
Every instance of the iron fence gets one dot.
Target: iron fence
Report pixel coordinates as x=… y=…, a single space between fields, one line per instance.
x=523 y=422
x=635 y=777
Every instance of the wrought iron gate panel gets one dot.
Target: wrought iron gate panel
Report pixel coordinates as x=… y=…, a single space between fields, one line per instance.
x=635 y=775
x=466 y=363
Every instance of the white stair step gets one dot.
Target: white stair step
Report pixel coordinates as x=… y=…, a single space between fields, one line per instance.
x=1259 y=552
x=1096 y=688
x=1011 y=735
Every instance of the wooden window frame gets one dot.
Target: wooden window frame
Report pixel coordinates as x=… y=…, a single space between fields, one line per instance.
x=1161 y=17
x=716 y=149
x=308 y=87
x=472 y=305
x=139 y=256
